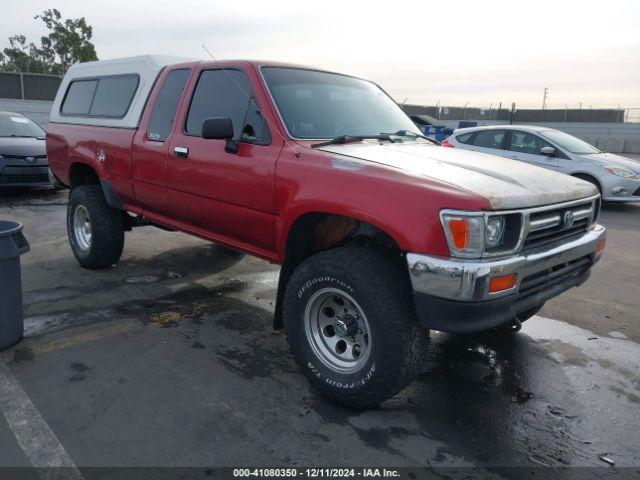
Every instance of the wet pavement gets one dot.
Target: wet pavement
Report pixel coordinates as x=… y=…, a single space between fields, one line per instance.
x=169 y=359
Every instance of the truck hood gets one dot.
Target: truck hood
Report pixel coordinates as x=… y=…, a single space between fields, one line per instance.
x=613 y=159
x=506 y=184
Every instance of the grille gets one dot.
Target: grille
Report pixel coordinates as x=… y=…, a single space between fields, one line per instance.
x=32 y=178
x=554 y=275
x=547 y=226
x=22 y=157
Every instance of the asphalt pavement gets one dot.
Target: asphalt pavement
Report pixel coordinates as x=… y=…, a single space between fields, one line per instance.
x=169 y=360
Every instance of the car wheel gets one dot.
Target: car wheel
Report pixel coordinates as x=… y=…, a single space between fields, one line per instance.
x=96 y=231
x=591 y=180
x=351 y=325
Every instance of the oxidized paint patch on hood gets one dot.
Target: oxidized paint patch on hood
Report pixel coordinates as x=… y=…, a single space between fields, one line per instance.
x=504 y=182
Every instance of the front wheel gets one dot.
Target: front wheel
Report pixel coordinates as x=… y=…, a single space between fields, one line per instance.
x=351 y=325
x=96 y=231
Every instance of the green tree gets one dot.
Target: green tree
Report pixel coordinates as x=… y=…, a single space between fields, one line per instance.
x=68 y=42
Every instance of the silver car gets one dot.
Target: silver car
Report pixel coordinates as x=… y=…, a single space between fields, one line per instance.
x=616 y=177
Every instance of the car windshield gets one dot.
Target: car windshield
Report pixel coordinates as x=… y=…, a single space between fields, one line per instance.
x=569 y=142
x=14 y=125
x=321 y=105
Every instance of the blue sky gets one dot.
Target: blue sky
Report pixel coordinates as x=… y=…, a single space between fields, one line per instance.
x=481 y=52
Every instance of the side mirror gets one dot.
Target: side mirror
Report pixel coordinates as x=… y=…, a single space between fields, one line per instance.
x=220 y=128
x=548 y=151
x=217 y=128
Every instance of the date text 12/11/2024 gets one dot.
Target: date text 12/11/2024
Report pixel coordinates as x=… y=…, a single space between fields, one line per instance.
x=316 y=472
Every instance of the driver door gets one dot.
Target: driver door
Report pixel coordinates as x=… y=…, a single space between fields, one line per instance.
x=225 y=196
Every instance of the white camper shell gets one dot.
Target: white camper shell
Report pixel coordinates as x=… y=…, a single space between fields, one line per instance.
x=108 y=93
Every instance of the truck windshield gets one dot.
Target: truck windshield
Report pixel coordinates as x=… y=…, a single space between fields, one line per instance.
x=321 y=105
x=15 y=125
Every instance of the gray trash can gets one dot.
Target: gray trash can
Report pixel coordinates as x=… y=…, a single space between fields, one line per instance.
x=12 y=245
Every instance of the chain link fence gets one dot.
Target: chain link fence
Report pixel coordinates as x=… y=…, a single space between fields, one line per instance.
x=28 y=86
x=527 y=113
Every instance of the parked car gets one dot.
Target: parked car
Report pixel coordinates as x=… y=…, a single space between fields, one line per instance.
x=617 y=178
x=23 y=158
x=381 y=234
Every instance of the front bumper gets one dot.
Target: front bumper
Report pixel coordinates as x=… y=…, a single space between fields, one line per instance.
x=24 y=176
x=617 y=189
x=452 y=295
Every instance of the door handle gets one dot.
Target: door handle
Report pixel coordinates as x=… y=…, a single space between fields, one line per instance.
x=181 y=152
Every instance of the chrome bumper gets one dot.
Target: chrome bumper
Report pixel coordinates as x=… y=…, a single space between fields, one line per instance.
x=467 y=281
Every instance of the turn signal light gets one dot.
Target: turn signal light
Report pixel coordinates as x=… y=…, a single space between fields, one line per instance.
x=458 y=228
x=601 y=245
x=498 y=284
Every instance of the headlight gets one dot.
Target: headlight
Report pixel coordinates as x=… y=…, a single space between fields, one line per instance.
x=620 y=172
x=494 y=231
x=476 y=234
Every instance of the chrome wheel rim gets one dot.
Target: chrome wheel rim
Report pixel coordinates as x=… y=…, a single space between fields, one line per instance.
x=82 y=227
x=337 y=330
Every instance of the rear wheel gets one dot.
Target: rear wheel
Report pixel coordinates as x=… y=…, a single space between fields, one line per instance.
x=96 y=231
x=351 y=325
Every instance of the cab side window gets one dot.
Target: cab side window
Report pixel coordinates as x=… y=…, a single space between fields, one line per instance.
x=489 y=139
x=164 y=110
x=524 y=142
x=227 y=93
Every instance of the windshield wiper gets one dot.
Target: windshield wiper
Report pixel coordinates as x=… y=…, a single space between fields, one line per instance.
x=339 y=140
x=407 y=133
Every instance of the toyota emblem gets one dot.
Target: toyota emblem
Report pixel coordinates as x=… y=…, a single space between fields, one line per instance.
x=30 y=160
x=567 y=219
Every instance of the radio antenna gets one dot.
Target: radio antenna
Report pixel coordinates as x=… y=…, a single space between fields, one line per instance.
x=250 y=99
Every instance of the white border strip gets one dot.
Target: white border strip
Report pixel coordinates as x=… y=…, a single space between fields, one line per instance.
x=39 y=443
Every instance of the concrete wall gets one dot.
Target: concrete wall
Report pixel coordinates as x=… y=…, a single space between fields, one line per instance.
x=37 y=110
x=608 y=137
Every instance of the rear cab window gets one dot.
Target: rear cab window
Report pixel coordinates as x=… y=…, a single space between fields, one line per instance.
x=166 y=105
x=108 y=97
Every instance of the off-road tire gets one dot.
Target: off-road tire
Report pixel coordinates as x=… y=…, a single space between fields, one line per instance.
x=381 y=287
x=107 y=228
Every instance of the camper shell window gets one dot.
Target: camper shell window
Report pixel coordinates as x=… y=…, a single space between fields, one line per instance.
x=103 y=97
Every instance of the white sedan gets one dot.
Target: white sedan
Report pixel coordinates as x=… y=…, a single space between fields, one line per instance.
x=617 y=177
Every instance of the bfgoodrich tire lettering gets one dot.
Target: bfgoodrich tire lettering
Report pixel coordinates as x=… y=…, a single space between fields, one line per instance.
x=380 y=288
x=100 y=244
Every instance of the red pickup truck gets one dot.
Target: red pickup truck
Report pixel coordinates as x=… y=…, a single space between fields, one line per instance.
x=381 y=234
